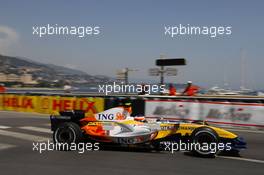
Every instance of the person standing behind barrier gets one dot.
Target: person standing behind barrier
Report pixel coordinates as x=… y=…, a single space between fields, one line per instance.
x=190 y=90
x=172 y=90
x=2 y=88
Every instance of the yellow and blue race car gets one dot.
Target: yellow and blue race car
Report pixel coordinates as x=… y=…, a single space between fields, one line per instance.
x=115 y=126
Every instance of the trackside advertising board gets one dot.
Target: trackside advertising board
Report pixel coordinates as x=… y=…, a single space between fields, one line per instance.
x=244 y=114
x=50 y=104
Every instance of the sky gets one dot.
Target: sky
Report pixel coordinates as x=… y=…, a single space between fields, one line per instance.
x=132 y=35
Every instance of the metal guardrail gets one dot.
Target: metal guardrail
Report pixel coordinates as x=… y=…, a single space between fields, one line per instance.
x=222 y=98
x=234 y=106
x=136 y=95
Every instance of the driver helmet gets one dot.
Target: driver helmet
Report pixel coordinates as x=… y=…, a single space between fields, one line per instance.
x=127 y=106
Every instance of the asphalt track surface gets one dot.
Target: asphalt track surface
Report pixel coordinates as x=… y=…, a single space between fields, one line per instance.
x=18 y=131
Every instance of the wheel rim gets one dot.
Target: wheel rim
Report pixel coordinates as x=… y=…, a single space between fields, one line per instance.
x=65 y=135
x=205 y=137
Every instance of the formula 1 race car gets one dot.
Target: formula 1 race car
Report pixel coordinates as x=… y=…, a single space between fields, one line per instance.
x=115 y=126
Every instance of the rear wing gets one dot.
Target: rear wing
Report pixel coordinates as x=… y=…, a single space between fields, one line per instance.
x=66 y=116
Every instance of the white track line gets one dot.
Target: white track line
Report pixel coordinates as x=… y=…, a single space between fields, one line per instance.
x=23 y=136
x=5 y=146
x=32 y=128
x=4 y=127
x=243 y=159
x=28 y=113
x=24 y=114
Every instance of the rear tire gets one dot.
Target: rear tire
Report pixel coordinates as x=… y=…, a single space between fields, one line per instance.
x=203 y=136
x=66 y=134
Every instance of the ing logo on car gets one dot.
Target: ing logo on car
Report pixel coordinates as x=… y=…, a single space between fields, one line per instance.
x=106 y=116
x=132 y=140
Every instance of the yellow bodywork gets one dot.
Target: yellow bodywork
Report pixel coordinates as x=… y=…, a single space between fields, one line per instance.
x=187 y=129
x=184 y=129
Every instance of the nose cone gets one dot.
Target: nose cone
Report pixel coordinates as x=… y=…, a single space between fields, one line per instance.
x=224 y=133
x=239 y=143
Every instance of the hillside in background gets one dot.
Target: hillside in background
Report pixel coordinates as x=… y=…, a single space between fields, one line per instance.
x=46 y=73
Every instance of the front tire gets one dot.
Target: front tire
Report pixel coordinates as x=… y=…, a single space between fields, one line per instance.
x=205 y=136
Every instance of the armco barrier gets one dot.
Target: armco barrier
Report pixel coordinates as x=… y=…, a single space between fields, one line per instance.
x=223 y=113
x=232 y=111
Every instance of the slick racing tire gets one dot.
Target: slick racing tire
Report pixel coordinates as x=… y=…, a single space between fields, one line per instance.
x=208 y=140
x=66 y=134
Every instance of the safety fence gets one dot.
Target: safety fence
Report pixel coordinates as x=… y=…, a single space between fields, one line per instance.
x=235 y=111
